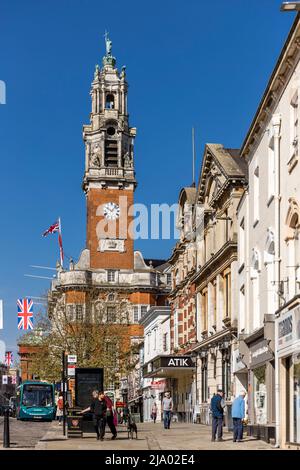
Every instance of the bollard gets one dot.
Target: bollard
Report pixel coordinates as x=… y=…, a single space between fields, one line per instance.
x=6 y=437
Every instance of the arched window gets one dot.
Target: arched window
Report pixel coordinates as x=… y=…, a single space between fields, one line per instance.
x=110 y=101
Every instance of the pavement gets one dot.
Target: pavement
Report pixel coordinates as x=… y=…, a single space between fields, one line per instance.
x=24 y=434
x=181 y=436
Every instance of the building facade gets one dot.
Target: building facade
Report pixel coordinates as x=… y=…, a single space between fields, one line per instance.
x=269 y=257
x=156 y=325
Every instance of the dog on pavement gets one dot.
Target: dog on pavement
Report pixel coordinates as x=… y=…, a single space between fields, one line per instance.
x=131 y=428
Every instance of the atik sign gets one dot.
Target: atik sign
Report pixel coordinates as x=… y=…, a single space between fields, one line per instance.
x=176 y=361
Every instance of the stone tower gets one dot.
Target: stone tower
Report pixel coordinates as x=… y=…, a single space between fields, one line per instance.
x=109 y=179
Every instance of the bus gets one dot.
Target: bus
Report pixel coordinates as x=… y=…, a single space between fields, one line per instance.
x=35 y=401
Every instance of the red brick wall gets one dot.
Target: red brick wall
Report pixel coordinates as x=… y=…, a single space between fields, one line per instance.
x=108 y=260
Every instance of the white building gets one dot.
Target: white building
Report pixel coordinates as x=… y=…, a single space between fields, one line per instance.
x=269 y=255
x=156 y=324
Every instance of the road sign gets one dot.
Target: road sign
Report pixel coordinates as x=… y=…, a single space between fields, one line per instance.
x=72 y=358
x=71 y=370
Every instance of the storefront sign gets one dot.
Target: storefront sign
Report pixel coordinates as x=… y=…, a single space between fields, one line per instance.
x=288 y=328
x=260 y=353
x=176 y=361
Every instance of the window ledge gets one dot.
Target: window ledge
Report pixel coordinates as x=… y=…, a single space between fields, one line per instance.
x=292 y=163
x=271 y=198
x=255 y=223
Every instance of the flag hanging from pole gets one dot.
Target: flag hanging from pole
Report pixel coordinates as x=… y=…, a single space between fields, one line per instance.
x=25 y=314
x=8 y=358
x=56 y=227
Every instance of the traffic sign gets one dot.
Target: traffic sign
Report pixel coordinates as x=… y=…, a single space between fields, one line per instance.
x=71 y=370
x=72 y=358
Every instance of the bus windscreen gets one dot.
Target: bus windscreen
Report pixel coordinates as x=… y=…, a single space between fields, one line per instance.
x=37 y=395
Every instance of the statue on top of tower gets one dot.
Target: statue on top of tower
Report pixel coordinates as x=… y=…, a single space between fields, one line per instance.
x=108 y=44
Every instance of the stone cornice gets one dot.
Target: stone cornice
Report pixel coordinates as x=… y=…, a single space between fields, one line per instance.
x=276 y=85
x=217 y=263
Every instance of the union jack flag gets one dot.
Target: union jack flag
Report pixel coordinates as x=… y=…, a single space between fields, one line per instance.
x=52 y=229
x=8 y=358
x=25 y=314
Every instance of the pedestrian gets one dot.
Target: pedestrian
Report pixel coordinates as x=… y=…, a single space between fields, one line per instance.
x=217 y=406
x=98 y=408
x=238 y=414
x=125 y=413
x=110 y=416
x=167 y=405
x=154 y=412
x=60 y=408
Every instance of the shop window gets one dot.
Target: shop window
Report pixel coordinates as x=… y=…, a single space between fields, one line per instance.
x=226 y=372
x=260 y=395
x=296 y=403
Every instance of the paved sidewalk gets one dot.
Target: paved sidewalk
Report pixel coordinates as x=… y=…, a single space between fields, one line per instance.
x=181 y=436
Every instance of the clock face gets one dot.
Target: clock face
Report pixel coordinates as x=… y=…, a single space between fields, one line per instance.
x=111 y=211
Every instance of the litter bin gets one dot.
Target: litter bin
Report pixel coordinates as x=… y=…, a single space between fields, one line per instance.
x=74 y=422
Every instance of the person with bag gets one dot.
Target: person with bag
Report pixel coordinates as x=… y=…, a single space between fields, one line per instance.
x=110 y=415
x=60 y=408
x=154 y=412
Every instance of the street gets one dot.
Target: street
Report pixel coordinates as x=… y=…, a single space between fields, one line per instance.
x=24 y=434
x=181 y=436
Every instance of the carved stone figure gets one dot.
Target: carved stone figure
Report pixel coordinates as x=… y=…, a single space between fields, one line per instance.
x=96 y=156
x=127 y=160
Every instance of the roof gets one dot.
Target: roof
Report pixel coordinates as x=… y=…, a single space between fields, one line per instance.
x=229 y=159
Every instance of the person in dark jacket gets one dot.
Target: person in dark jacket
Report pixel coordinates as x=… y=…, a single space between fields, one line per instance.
x=110 y=415
x=217 y=409
x=98 y=407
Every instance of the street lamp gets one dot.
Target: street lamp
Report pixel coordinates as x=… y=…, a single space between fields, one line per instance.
x=290 y=6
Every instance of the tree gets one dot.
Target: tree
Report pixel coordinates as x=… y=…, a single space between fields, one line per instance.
x=97 y=333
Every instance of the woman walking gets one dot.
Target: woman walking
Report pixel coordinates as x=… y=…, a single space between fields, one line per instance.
x=154 y=412
x=60 y=408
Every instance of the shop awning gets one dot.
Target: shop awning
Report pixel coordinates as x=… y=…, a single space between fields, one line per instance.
x=169 y=366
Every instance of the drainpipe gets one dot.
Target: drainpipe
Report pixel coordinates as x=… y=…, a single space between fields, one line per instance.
x=276 y=122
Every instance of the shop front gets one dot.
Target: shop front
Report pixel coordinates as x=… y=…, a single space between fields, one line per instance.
x=258 y=355
x=288 y=350
x=178 y=375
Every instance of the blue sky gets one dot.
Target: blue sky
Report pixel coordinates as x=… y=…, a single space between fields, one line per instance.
x=189 y=63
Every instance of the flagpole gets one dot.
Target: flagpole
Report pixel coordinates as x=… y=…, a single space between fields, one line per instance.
x=61 y=253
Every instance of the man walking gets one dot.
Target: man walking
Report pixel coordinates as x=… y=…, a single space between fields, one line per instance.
x=238 y=414
x=167 y=409
x=98 y=408
x=217 y=406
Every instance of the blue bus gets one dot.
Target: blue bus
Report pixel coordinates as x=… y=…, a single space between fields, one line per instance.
x=35 y=401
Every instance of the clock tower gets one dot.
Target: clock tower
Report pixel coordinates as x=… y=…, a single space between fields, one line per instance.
x=109 y=178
